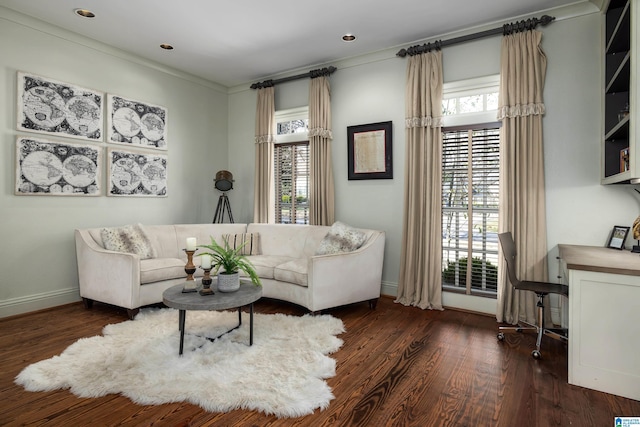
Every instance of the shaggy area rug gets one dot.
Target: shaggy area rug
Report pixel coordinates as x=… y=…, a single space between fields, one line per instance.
x=282 y=373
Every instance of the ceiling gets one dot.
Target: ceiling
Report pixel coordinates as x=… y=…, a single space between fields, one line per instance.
x=241 y=41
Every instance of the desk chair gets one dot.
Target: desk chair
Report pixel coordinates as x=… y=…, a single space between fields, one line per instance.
x=540 y=288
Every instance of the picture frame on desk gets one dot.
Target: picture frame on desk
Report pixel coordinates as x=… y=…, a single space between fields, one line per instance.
x=618 y=237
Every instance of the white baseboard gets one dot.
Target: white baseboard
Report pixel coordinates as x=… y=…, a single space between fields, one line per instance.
x=14 y=306
x=555 y=315
x=471 y=303
x=453 y=300
x=389 y=289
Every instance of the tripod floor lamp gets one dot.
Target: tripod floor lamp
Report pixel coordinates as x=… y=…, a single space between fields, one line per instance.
x=223 y=183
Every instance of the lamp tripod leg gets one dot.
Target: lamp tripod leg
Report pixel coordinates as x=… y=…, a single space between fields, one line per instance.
x=223 y=206
x=218 y=216
x=226 y=201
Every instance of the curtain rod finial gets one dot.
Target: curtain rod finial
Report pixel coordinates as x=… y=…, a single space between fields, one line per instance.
x=546 y=19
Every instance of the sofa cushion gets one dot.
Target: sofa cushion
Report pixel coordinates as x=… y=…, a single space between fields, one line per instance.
x=159 y=269
x=251 y=242
x=265 y=264
x=341 y=238
x=314 y=236
x=281 y=239
x=203 y=234
x=293 y=272
x=129 y=239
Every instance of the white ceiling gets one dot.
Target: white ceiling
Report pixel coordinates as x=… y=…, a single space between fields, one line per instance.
x=239 y=41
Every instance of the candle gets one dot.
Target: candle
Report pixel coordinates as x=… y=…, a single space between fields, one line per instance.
x=205 y=261
x=191 y=243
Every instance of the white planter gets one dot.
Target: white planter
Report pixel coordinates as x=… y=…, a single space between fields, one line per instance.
x=228 y=282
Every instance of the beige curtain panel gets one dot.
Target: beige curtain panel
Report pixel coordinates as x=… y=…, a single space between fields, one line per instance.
x=420 y=282
x=522 y=188
x=321 y=191
x=265 y=138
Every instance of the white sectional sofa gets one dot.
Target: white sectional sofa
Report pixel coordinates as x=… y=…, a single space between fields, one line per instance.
x=284 y=256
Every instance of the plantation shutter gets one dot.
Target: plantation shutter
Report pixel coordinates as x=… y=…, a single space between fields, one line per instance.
x=292 y=183
x=470 y=190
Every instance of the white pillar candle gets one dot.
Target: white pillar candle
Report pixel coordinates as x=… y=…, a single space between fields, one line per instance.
x=191 y=243
x=205 y=261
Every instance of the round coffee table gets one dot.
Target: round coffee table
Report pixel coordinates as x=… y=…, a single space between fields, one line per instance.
x=246 y=295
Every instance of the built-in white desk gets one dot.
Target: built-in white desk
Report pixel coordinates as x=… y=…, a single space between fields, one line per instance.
x=604 y=318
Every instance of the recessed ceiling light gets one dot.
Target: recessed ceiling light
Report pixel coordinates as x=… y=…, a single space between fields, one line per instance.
x=166 y=46
x=348 y=37
x=85 y=13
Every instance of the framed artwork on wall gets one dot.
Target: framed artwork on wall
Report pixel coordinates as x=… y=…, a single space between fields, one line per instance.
x=136 y=173
x=369 y=151
x=136 y=123
x=49 y=168
x=56 y=108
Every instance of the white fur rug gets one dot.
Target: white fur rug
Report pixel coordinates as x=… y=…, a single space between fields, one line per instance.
x=282 y=373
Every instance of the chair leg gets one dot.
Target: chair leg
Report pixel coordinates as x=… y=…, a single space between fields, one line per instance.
x=540 y=324
x=538 y=328
x=520 y=327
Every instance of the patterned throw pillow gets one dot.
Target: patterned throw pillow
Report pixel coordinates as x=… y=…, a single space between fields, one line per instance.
x=129 y=239
x=236 y=240
x=341 y=238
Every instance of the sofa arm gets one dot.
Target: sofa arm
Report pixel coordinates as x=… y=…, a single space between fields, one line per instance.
x=345 y=278
x=107 y=276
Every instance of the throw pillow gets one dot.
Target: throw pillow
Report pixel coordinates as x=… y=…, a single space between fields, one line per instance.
x=129 y=239
x=252 y=246
x=341 y=238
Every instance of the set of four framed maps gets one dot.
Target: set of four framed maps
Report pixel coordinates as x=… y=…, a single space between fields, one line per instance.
x=47 y=167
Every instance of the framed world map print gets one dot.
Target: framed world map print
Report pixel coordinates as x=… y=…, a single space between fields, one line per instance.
x=48 y=168
x=136 y=123
x=56 y=108
x=134 y=173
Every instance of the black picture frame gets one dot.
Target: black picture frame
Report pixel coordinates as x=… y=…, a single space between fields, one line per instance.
x=618 y=237
x=369 y=151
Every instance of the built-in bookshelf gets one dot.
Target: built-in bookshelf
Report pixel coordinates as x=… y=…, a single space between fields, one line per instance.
x=619 y=151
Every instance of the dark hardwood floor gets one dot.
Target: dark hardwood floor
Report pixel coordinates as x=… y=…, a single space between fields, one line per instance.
x=399 y=366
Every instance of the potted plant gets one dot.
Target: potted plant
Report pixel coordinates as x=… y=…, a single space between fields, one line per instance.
x=231 y=261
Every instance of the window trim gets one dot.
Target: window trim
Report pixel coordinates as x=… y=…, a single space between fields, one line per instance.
x=469 y=87
x=298 y=113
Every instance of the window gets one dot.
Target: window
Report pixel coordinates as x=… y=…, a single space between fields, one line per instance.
x=471 y=101
x=292 y=183
x=477 y=103
x=291 y=167
x=470 y=188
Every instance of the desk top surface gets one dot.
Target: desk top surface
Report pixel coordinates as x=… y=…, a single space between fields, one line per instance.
x=604 y=260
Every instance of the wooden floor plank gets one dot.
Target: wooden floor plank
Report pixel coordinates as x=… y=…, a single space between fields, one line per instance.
x=399 y=366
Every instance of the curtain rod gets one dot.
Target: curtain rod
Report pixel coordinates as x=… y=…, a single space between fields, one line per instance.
x=311 y=74
x=506 y=29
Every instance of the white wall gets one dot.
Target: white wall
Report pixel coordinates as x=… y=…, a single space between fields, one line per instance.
x=371 y=89
x=579 y=209
x=37 y=254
